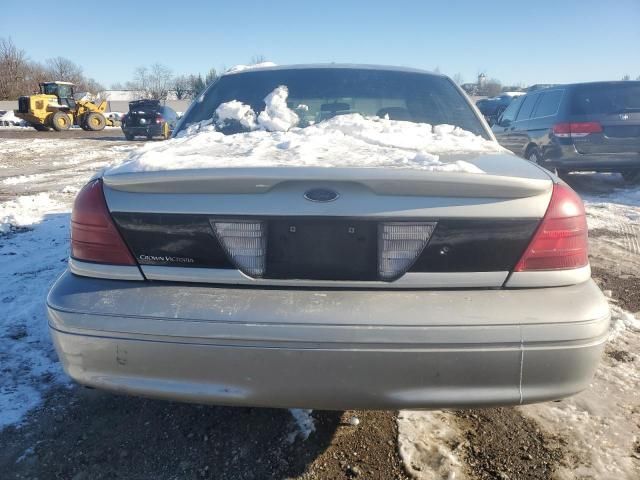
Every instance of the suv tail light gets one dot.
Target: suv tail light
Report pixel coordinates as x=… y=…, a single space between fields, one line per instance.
x=94 y=237
x=159 y=119
x=560 y=243
x=576 y=129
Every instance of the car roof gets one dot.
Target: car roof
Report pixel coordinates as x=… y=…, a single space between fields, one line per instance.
x=342 y=66
x=579 y=84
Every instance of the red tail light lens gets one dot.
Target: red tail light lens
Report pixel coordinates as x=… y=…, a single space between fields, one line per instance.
x=576 y=129
x=94 y=237
x=560 y=243
x=159 y=119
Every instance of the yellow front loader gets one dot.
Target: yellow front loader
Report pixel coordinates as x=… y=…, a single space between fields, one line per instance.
x=55 y=107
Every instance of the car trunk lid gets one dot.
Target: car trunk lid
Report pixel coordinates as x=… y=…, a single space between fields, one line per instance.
x=437 y=229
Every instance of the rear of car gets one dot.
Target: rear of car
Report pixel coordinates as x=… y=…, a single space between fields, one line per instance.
x=332 y=288
x=578 y=127
x=148 y=118
x=601 y=129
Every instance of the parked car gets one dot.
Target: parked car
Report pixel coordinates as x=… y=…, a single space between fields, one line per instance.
x=331 y=288
x=148 y=118
x=493 y=107
x=577 y=127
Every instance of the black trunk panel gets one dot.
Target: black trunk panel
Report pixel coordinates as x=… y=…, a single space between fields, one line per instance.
x=326 y=248
x=475 y=246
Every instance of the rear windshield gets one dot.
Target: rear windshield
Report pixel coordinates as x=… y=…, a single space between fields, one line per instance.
x=148 y=107
x=606 y=98
x=328 y=92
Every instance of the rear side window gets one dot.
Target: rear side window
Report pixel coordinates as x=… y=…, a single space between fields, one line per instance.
x=509 y=115
x=527 y=106
x=606 y=98
x=549 y=103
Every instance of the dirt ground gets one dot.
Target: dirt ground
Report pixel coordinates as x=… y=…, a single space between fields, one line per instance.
x=83 y=434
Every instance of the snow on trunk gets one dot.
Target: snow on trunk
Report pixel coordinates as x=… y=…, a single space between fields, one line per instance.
x=342 y=141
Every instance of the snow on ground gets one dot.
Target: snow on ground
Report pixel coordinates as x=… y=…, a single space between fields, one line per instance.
x=342 y=141
x=430 y=445
x=8 y=119
x=30 y=261
x=27 y=210
x=304 y=423
x=597 y=422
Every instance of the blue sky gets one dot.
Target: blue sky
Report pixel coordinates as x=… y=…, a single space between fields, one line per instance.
x=519 y=41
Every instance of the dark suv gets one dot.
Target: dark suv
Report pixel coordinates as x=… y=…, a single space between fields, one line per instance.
x=491 y=108
x=149 y=119
x=578 y=127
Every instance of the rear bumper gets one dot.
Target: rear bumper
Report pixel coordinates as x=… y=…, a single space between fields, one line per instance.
x=568 y=158
x=153 y=129
x=328 y=349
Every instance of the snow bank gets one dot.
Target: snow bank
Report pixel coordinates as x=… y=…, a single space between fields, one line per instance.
x=430 y=445
x=8 y=119
x=342 y=141
x=27 y=210
x=242 y=68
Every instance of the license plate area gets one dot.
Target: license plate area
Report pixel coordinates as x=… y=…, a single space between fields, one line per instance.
x=320 y=249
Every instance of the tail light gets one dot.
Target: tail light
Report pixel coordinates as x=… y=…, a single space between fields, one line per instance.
x=159 y=119
x=245 y=242
x=576 y=129
x=400 y=244
x=560 y=243
x=94 y=237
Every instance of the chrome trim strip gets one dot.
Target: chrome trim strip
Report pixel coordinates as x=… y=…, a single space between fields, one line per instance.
x=100 y=270
x=408 y=280
x=558 y=278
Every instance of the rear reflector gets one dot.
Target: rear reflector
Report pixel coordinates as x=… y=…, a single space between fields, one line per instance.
x=245 y=242
x=560 y=243
x=400 y=245
x=94 y=237
x=576 y=129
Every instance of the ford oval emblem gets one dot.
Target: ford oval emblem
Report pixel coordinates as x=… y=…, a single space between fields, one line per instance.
x=321 y=195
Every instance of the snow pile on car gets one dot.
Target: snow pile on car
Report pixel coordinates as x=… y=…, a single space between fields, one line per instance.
x=242 y=68
x=342 y=141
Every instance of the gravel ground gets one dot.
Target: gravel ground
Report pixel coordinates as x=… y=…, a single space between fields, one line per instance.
x=82 y=434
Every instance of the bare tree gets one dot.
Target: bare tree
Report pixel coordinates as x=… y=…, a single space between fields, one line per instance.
x=211 y=76
x=160 y=78
x=458 y=78
x=493 y=87
x=152 y=82
x=255 y=59
x=626 y=78
x=14 y=69
x=196 y=85
x=64 y=70
x=181 y=87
